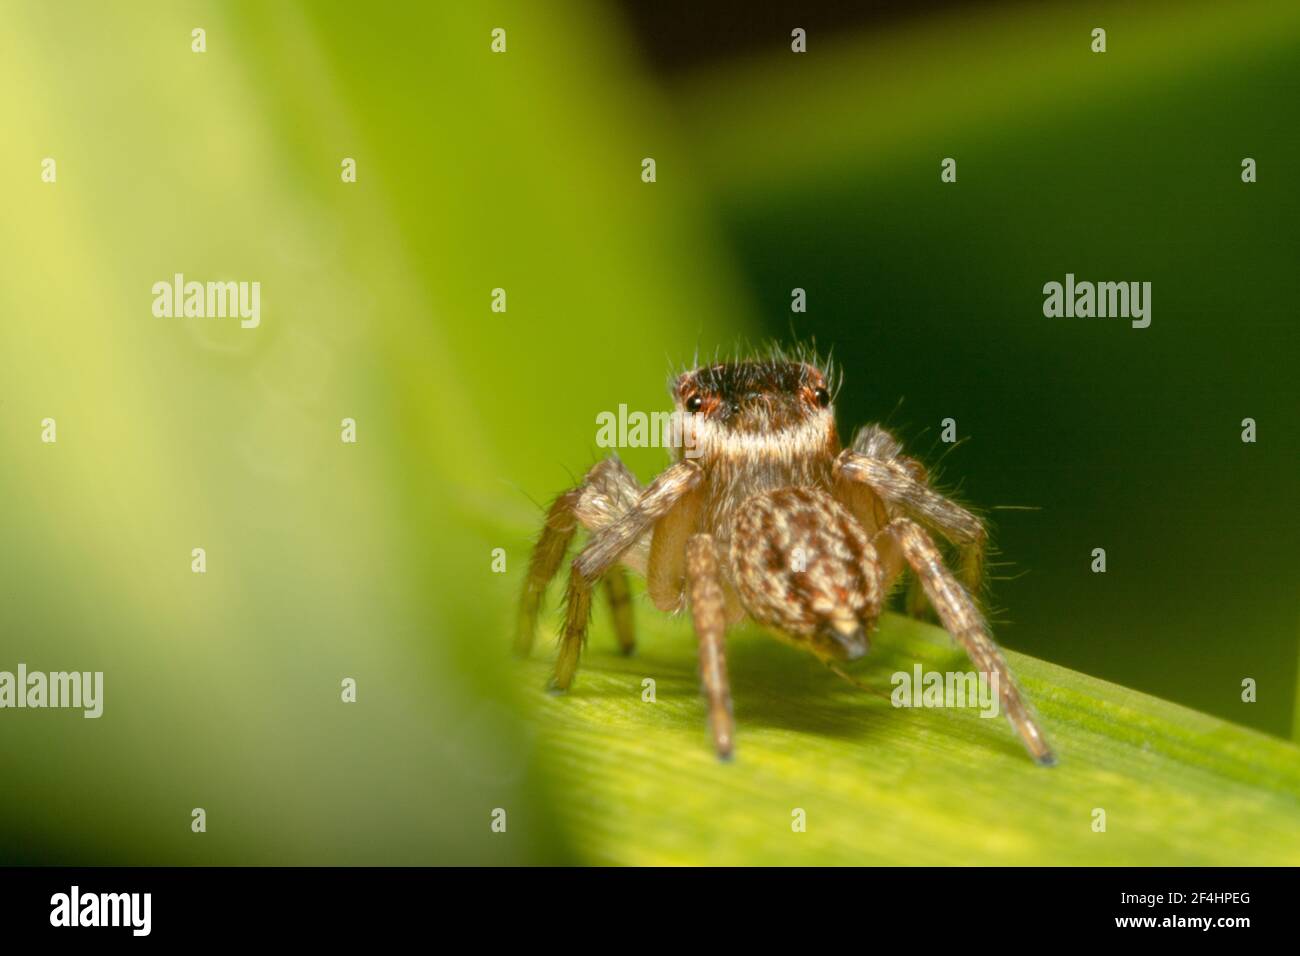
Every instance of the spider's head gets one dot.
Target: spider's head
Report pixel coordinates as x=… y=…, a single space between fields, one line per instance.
x=741 y=401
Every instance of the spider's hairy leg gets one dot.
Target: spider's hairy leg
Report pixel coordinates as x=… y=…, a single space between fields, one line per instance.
x=603 y=550
x=551 y=546
x=901 y=482
x=709 y=616
x=620 y=606
x=603 y=488
x=872 y=514
x=961 y=618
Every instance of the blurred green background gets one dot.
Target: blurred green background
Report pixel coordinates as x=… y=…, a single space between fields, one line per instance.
x=522 y=171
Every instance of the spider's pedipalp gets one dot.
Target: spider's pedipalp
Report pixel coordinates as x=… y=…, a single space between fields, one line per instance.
x=665 y=570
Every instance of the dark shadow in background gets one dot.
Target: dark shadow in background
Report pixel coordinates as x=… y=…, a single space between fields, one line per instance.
x=676 y=35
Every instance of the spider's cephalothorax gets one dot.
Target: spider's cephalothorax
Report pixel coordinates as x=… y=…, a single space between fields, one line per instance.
x=767 y=517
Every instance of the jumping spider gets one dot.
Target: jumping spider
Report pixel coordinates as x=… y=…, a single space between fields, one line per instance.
x=767 y=518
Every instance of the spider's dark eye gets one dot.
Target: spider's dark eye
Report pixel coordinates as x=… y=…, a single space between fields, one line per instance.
x=694 y=403
x=823 y=397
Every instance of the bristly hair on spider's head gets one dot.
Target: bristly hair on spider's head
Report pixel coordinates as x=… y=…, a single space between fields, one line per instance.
x=775 y=391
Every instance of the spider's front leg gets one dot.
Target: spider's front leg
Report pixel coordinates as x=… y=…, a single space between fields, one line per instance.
x=875 y=461
x=605 y=492
x=709 y=616
x=961 y=618
x=603 y=550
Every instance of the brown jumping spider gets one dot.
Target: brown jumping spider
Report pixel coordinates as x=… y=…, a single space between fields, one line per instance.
x=767 y=518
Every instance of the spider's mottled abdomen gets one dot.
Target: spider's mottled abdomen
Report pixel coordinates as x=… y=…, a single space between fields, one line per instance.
x=803 y=565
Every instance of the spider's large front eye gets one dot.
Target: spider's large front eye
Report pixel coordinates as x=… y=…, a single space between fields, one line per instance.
x=694 y=403
x=823 y=397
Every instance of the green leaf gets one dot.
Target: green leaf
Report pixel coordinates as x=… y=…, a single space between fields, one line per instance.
x=637 y=782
